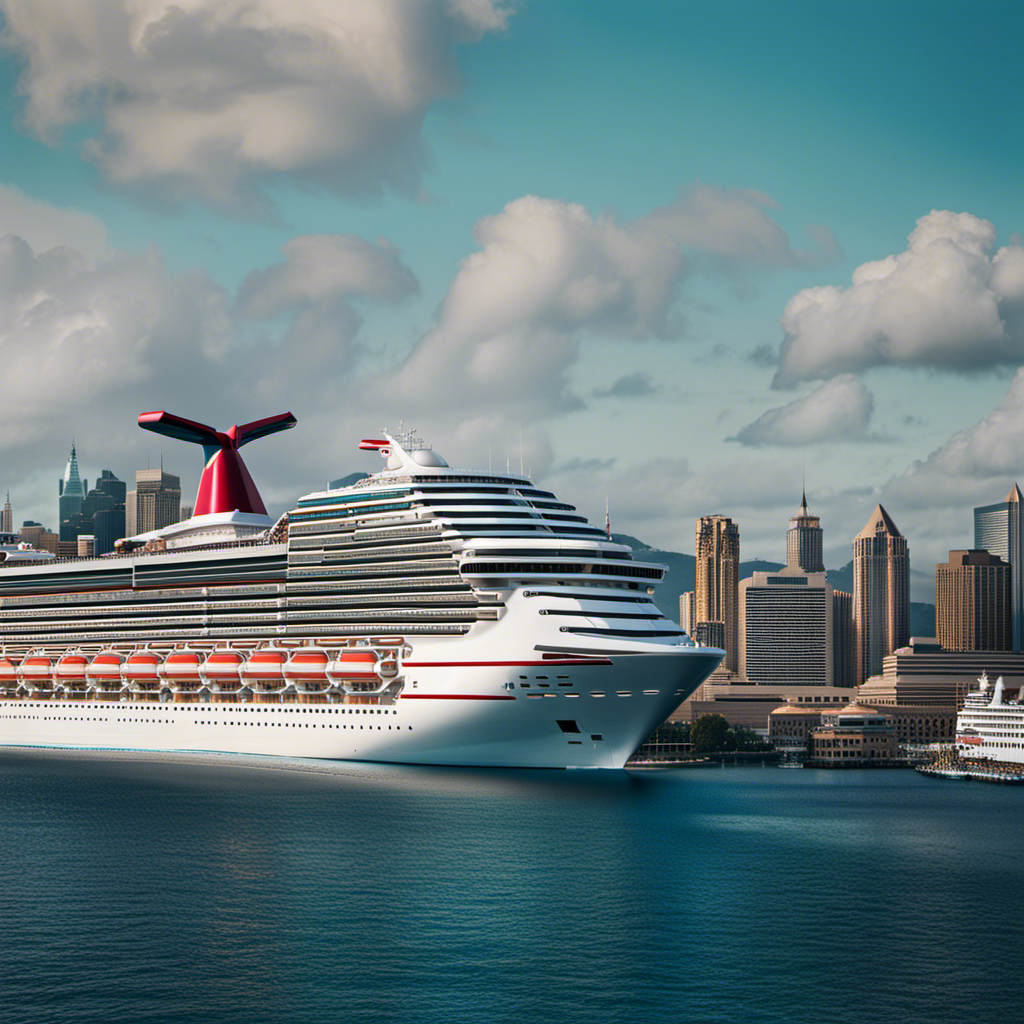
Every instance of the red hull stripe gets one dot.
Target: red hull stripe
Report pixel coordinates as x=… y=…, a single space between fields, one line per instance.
x=505 y=664
x=454 y=696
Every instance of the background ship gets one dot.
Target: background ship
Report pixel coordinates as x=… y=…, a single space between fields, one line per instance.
x=425 y=614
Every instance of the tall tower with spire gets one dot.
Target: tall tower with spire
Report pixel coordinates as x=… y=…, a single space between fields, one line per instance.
x=999 y=530
x=804 y=540
x=881 y=592
x=71 y=495
x=7 y=519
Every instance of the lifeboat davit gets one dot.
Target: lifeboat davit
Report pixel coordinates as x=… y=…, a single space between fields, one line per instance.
x=36 y=669
x=353 y=663
x=141 y=669
x=71 y=670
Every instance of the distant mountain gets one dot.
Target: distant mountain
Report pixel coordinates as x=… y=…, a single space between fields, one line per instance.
x=347 y=481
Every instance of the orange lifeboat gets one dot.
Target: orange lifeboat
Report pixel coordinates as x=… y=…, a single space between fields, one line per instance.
x=181 y=672
x=221 y=672
x=36 y=672
x=71 y=670
x=306 y=670
x=263 y=670
x=141 y=671
x=104 y=672
x=353 y=663
x=8 y=674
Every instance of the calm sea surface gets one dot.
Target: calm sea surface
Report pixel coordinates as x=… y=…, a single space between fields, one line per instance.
x=138 y=889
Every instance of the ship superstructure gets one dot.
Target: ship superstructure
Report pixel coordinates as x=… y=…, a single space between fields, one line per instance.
x=990 y=727
x=424 y=614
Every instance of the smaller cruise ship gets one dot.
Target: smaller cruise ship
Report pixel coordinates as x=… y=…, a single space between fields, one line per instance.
x=989 y=727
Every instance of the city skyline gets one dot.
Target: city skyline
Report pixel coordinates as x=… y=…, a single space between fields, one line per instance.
x=661 y=258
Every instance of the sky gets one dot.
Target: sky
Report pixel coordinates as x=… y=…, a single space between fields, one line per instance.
x=676 y=255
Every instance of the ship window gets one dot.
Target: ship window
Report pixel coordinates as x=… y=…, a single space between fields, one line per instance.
x=596 y=736
x=567 y=725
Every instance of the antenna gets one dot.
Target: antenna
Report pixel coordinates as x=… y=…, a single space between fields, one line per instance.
x=607 y=519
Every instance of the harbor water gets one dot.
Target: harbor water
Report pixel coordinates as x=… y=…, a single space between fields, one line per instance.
x=145 y=888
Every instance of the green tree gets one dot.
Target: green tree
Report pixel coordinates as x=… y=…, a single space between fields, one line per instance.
x=710 y=733
x=747 y=739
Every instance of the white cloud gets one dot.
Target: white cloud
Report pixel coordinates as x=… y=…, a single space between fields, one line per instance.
x=975 y=466
x=548 y=271
x=319 y=268
x=838 y=410
x=87 y=346
x=45 y=226
x=206 y=99
x=945 y=303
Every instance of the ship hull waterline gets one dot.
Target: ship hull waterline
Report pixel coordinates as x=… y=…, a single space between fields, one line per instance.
x=462 y=714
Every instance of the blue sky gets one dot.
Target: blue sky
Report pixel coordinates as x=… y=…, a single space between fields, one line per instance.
x=627 y=230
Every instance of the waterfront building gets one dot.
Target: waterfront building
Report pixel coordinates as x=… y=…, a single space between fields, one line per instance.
x=851 y=735
x=71 y=494
x=790 y=725
x=922 y=673
x=186 y=512
x=881 y=592
x=973 y=606
x=750 y=704
x=85 y=545
x=7 y=519
x=804 y=549
x=785 y=632
x=716 y=590
x=155 y=502
x=999 y=530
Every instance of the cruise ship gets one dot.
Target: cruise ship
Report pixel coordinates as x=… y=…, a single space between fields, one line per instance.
x=990 y=727
x=421 y=614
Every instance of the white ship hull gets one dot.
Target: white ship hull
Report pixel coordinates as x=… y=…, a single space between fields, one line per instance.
x=459 y=714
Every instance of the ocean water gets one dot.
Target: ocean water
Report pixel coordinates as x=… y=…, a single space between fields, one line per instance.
x=137 y=888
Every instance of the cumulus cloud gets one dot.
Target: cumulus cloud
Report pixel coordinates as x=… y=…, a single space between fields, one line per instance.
x=89 y=344
x=946 y=302
x=45 y=226
x=319 y=268
x=975 y=466
x=549 y=271
x=207 y=99
x=838 y=410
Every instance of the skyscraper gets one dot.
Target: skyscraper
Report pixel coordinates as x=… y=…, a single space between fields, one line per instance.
x=71 y=493
x=999 y=530
x=7 y=520
x=881 y=592
x=785 y=629
x=972 y=602
x=716 y=591
x=804 y=540
x=155 y=502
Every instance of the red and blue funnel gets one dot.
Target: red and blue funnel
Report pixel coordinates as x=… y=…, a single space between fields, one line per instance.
x=225 y=485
